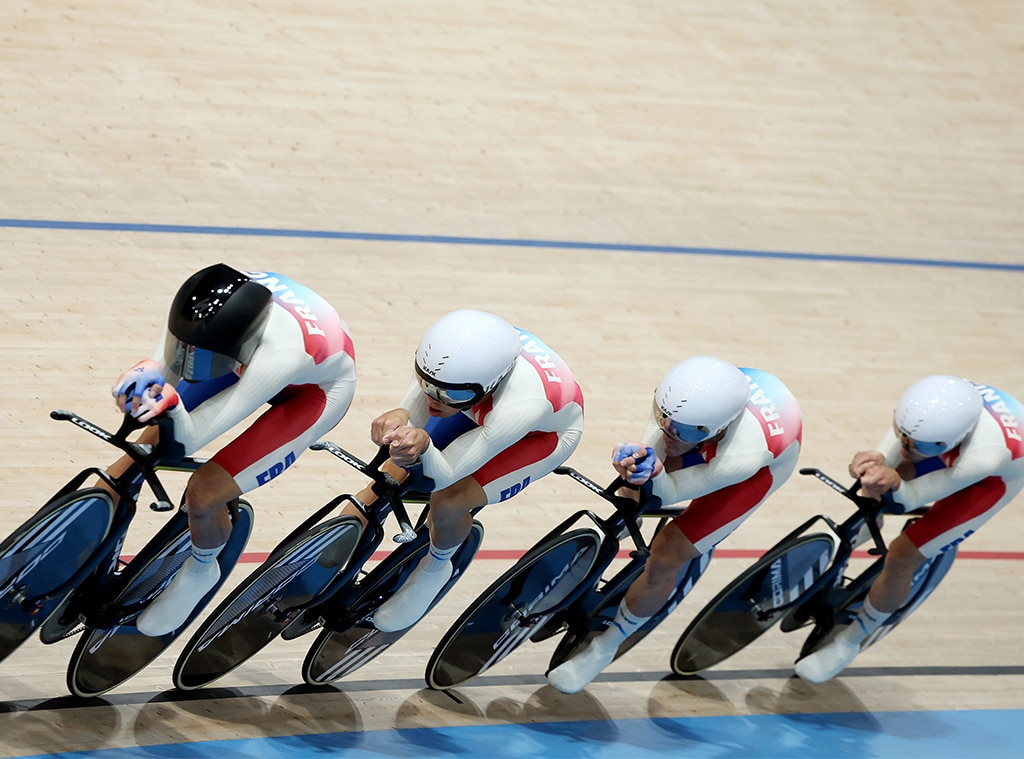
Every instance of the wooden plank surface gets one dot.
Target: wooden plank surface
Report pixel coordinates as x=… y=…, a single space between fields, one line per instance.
x=519 y=157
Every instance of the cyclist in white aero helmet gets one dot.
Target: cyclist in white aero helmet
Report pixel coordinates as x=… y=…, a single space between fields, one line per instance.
x=954 y=444
x=490 y=409
x=723 y=439
x=464 y=356
x=937 y=412
x=699 y=397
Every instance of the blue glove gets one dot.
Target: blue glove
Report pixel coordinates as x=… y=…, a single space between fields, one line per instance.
x=645 y=462
x=152 y=405
x=134 y=391
x=625 y=450
x=134 y=383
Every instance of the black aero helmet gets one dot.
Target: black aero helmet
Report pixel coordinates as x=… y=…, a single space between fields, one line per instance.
x=215 y=323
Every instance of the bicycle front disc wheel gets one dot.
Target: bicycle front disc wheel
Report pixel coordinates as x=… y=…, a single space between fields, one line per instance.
x=508 y=612
x=250 y=617
x=351 y=640
x=744 y=609
x=108 y=655
x=44 y=554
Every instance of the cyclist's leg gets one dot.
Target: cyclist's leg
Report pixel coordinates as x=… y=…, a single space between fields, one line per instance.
x=450 y=517
x=209 y=490
x=670 y=552
x=949 y=521
x=709 y=520
x=295 y=420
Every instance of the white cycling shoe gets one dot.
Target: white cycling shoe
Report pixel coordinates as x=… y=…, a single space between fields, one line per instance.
x=828 y=661
x=172 y=607
x=577 y=673
x=413 y=599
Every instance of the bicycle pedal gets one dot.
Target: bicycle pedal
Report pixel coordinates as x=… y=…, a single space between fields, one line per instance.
x=73 y=632
x=547 y=631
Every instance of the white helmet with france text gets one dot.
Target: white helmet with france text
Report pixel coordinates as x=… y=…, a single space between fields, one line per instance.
x=700 y=397
x=464 y=355
x=936 y=413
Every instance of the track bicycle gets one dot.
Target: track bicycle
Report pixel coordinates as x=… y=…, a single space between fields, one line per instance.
x=801 y=582
x=62 y=572
x=316 y=580
x=559 y=587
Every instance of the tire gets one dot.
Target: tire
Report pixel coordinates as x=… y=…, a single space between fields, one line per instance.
x=352 y=641
x=510 y=610
x=112 y=649
x=69 y=529
x=742 y=611
x=926 y=579
x=249 y=618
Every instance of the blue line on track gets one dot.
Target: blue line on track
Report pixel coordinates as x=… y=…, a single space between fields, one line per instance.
x=992 y=734
x=184 y=229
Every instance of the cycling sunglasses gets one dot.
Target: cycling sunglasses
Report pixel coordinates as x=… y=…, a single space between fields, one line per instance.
x=460 y=395
x=923 y=449
x=691 y=434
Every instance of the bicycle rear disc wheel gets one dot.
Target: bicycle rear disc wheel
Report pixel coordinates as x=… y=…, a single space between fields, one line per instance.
x=43 y=554
x=352 y=641
x=742 y=611
x=107 y=656
x=510 y=610
x=250 y=617
x=926 y=579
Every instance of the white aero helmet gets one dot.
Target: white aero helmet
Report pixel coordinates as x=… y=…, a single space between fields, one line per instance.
x=700 y=397
x=464 y=355
x=937 y=412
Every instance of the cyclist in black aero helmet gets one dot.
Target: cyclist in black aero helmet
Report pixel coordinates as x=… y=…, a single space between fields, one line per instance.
x=235 y=342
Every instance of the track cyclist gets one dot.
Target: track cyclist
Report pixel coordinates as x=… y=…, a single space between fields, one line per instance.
x=720 y=437
x=490 y=410
x=233 y=343
x=954 y=444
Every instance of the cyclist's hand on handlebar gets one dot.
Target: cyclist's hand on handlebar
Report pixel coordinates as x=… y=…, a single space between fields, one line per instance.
x=635 y=463
x=387 y=422
x=140 y=391
x=156 y=400
x=863 y=461
x=878 y=480
x=405 y=444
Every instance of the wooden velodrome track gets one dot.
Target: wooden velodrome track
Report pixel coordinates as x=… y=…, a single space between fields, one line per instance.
x=832 y=192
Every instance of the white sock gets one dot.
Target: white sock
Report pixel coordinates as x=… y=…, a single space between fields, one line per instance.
x=436 y=558
x=866 y=622
x=207 y=555
x=575 y=674
x=625 y=624
x=829 y=660
x=169 y=610
x=411 y=601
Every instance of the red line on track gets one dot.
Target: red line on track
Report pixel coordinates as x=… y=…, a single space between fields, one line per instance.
x=736 y=553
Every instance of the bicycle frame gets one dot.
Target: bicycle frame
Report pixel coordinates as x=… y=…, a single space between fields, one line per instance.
x=146 y=461
x=867 y=512
x=389 y=499
x=625 y=517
